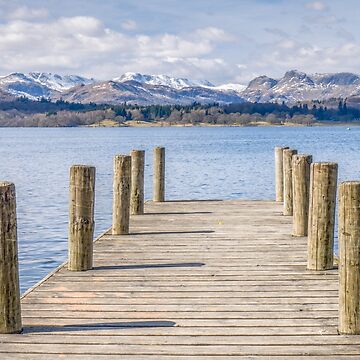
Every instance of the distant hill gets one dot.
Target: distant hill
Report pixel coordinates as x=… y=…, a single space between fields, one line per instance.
x=297 y=86
x=133 y=92
x=36 y=85
x=142 y=89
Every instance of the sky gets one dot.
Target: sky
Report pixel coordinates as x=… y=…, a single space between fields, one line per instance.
x=223 y=41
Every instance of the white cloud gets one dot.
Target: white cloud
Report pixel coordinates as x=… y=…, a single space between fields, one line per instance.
x=214 y=34
x=85 y=45
x=309 y=58
x=241 y=66
x=27 y=13
x=317 y=6
x=82 y=44
x=129 y=25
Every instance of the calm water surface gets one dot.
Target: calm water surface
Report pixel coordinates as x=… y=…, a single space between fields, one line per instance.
x=202 y=163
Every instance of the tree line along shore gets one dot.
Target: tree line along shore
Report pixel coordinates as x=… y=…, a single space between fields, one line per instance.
x=44 y=113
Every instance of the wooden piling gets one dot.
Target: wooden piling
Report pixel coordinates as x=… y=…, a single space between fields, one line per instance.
x=287 y=169
x=81 y=217
x=10 y=311
x=349 y=257
x=279 y=173
x=137 y=182
x=121 y=194
x=159 y=174
x=323 y=181
x=301 y=188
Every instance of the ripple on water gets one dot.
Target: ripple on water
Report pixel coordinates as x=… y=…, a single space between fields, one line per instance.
x=201 y=163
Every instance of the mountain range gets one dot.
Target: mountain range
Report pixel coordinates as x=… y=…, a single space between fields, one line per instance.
x=144 y=89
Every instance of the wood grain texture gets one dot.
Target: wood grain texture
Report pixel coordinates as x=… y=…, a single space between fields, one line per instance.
x=194 y=280
x=137 y=182
x=288 y=191
x=301 y=189
x=159 y=174
x=349 y=259
x=10 y=312
x=323 y=186
x=121 y=195
x=279 y=173
x=81 y=217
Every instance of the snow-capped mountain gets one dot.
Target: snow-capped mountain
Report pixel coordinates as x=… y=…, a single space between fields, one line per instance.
x=176 y=83
x=162 y=80
x=239 y=88
x=60 y=82
x=139 y=88
x=35 y=85
x=297 y=86
x=133 y=92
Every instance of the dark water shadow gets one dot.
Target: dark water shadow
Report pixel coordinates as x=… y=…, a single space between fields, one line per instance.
x=148 y=266
x=173 y=232
x=97 y=326
x=193 y=200
x=179 y=213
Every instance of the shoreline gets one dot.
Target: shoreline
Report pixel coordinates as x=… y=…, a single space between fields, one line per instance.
x=143 y=124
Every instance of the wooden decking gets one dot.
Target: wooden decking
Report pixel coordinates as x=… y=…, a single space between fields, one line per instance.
x=204 y=280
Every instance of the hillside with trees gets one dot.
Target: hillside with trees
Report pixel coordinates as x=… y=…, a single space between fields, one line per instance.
x=26 y=113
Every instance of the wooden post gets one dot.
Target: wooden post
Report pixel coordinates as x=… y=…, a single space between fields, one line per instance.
x=301 y=188
x=349 y=262
x=159 y=174
x=81 y=217
x=288 y=193
x=279 y=173
x=323 y=180
x=10 y=311
x=137 y=182
x=121 y=202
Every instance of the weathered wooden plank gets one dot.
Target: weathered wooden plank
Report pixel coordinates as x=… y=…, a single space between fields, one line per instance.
x=224 y=350
x=106 y=322
x=187 y=294
x=65 y=287
x=90 y=330
x=125 y=339
x=194 y=280
x=37 y=356
x=183 y=315
x=205 y=308
x=161 y=301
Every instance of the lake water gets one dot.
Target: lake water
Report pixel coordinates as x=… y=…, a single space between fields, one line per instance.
x=201 y=163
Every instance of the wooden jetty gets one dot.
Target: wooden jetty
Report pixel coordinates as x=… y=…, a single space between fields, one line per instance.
x=192 y=280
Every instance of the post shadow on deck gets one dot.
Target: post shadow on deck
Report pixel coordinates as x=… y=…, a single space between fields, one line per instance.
x=174 y=232
x=149 y=266
x=99 y=326
x=180 y=213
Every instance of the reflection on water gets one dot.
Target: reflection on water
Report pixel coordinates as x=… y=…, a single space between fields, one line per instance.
x=201 y=163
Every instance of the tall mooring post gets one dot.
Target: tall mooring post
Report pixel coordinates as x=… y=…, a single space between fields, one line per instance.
x=81 y=217
x=279 y=173
x=301 y=189
x=10 y=311
x=159 y=174
x=349 y=257
x=121 y=194
x=288 y=192
x=323 y=183
x=137 y=182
